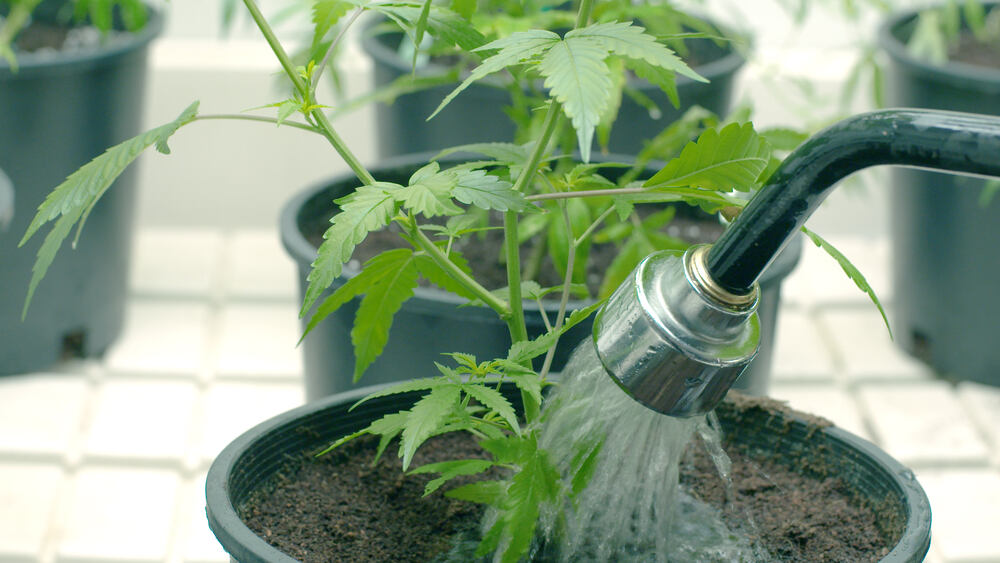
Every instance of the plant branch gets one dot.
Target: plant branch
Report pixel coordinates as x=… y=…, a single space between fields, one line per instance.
x=439 y=257
x=259 y=118
x=329 y=52
x=564 y=298
x=583 y=236
x=303 y=89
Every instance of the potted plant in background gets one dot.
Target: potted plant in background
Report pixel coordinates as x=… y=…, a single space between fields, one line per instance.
x=72 y=84
x=943 y=265
x=410 y=83
x=527 y=181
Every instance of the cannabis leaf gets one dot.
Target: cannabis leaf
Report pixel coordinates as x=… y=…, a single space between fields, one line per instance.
x=732 y=158
x=851 y=271
x=74 y=199
x=367 y=209
x=529 y=349
x=449 y=470
x=495 y=401
x=426 y=417
x=442 y=278
x=575 y=67
x=429 y=192
x=476 y=187
x=393 y=283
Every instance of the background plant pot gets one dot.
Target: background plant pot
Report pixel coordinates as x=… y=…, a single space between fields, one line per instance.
x=58 y=112
x=401 y=127
x=432 y=321
x=251 y=461
x=945 y=263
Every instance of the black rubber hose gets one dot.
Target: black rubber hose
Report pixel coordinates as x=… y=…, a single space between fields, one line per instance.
x=938 y=140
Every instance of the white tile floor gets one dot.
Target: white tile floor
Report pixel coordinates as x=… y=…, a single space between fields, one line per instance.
x=105 y=460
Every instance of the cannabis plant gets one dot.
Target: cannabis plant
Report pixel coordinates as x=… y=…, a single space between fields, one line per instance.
x=518 y=182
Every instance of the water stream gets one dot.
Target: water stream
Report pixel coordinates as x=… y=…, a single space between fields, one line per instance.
x=633 y=509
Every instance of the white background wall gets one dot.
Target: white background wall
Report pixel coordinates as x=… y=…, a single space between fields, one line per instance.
x=237 y=174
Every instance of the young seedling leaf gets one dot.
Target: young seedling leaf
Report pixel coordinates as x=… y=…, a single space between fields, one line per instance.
x=367 y=209
x=429 y=192
x=852 y=272
x=444 y=24
x=496 y=402
x=449 y=470
x=725 y=160
x=535 y=484
x=526 y=350
x=379 y=305
x=71 y=200
x=426 y=417
x=503 y=153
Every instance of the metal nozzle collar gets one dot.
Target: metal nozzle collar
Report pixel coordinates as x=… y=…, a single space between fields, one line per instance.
x=674 y=340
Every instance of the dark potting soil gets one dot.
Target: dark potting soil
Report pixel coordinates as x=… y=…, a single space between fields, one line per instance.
x=340 y=508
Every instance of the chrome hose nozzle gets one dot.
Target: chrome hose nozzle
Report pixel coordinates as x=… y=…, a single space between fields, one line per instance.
x=674 y=340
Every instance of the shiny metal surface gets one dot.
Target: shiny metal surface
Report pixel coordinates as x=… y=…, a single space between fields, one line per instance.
x=669 y=341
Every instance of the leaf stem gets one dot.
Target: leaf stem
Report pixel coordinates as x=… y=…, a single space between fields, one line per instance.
x=303 y=89
x=259 y=118
x=329 y=52
x=564 y=298
x=436 y=254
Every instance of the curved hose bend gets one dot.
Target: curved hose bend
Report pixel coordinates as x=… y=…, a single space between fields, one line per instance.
x=938 y=140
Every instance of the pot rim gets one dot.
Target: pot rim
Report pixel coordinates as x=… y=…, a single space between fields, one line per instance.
x=952 y=73
x=727 y=64
x=303 y=252
x=30 y=64
x=246 y=546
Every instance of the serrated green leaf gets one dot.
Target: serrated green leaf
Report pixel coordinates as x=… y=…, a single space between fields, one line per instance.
x=537 y=483
x=388 y=427
x=325 y=15
x=426 y=417
x=371 y=273
x=485 y=191
x=420 y=28
x=72 y=200
x=286 y=109
x=444 y=24
x=367 y=209
x=526 y=350
x=664 y=79
x=408 y=386
x=496 y=402
x=481 y=492
x=558 y=239
x=449 y=470
x=631 y=41
x=513 y=49
x=380 y=303
x=503 y=153
x=442 y=278
x=852 y=272
x=430 y=196
x=732 y=158
x=578 y=77
x=526 y=380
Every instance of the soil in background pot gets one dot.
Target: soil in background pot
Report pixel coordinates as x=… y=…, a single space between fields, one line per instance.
x=341 y=508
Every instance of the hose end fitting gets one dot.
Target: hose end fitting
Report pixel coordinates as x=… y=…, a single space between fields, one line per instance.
x=672 y=338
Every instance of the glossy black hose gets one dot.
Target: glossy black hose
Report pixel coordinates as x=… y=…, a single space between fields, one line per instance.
x=938 y=140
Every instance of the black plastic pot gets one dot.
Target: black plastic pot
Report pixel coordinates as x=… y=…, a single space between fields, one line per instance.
x=251 y=461
x=432 y=321
x=945 y=264
x=57 y=113
x=401 y=127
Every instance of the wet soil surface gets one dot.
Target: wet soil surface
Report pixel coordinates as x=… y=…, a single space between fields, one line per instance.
x=340 y=508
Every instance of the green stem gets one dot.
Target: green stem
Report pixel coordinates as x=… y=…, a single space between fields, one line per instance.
x=564 y=298
x=303 y=89
x=258 y=118
x=441 y=259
